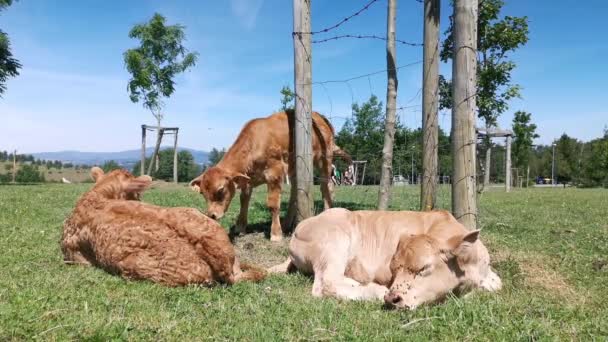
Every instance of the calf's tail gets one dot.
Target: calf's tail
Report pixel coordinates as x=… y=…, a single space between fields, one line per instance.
x=285 y=267
x=338 y=152
x=250 y=273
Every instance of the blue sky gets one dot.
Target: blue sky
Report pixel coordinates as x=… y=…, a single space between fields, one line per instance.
x=71 y=94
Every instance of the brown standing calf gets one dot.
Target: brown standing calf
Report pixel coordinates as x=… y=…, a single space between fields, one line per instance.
x=111 y=229
x=261 y=155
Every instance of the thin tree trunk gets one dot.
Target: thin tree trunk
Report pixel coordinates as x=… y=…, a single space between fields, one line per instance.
x=159 y=138
x=430 y=99
x=391 y=107
x=486 y=175
x=142 y=170
x=464 y=71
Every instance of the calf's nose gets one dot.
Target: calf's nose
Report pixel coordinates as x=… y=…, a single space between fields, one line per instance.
x=392 y=298
x=212 y=215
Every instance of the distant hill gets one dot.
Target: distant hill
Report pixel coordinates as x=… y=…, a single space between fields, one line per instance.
x=123 y=158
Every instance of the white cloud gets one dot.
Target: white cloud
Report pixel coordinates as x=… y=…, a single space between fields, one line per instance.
x=246 y=11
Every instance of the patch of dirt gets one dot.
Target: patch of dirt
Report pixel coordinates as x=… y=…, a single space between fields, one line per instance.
x=599 y=265
x=257 y=249
x=539 y=273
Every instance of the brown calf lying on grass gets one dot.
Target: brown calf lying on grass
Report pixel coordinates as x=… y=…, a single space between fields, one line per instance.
x=405 y=258
x=111 y=229
x=261 y=155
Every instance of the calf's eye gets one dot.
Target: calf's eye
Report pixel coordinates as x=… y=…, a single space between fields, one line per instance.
x=426 y=270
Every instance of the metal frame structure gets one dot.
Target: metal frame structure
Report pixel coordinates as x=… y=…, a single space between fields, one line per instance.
x=500 y=133
x=162 y=131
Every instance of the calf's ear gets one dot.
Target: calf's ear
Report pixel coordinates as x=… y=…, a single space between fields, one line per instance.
x=139 y=184
x=460 y=246
x=195 y=184
x=97 y=174
x=241 y=180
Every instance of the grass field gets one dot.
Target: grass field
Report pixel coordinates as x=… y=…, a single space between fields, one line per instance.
x=550 y=246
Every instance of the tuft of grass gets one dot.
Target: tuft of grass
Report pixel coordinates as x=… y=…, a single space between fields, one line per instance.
x=548 y=246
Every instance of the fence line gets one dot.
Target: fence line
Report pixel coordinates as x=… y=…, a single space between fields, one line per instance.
x=335 y=26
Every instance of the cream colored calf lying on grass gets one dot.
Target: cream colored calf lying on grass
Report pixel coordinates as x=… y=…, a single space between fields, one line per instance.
x=406 y=258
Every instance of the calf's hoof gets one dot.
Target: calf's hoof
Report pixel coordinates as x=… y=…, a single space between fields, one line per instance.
x=276 y=238
x=241 y=229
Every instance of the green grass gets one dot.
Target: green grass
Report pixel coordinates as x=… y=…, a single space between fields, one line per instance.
x=548 y=245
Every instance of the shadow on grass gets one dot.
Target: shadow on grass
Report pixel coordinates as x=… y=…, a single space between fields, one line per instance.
x=264 y=226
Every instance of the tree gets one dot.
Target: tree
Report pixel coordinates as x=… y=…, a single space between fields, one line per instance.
x=567 y=151
x=109 y=166
x=361 y=136
x=9 y=66
x=525 y=133
x=154 y=65
x=29 y=174
x=496 y=37
x=594 y=162
x=287 y=96
x=215 y=156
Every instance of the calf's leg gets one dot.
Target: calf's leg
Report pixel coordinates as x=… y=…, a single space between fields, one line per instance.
x=241 y=222
x=330 y=280
x=273 y=202
x=326 y=183
x=333 y=283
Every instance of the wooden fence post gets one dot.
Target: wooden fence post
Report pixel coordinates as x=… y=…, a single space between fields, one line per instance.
x=391 y=107
x=175 y=156
x=430 y=105
x=464 y=74
x=301 y=201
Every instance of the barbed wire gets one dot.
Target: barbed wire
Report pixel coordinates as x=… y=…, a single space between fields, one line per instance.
x=361 y=36
x=406 y=107
x=366 y=75
x=327 y=29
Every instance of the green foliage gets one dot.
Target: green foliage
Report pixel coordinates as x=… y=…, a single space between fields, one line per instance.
x=578 y=163
x=525 y=133
x=186 y=167
x=496 y=38
x=567 y=157
x=5 y=3
x=215 y=156
x=155 y=63
x=29 y=174
x=362 y=137
x=9 y=66
x=110 y=165
x=26 y=173
x=287 y=96
x=595 y=167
